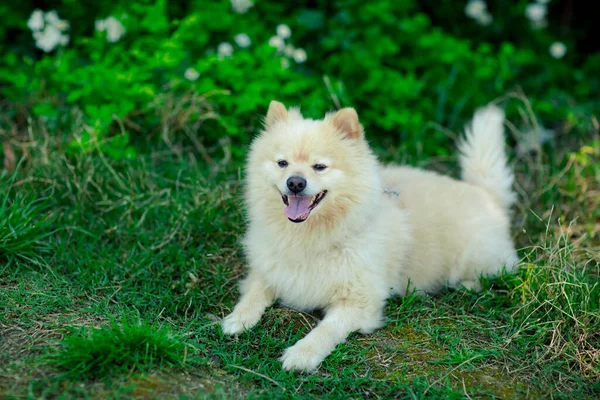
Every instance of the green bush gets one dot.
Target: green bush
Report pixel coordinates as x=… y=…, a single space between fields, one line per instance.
x=402 y=64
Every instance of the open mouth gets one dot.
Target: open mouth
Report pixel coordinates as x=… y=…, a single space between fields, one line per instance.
x=298 y=208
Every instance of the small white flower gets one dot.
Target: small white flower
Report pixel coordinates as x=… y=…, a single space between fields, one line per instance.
x=535 y=12
x=242 y=40
x=52 y=18
x=475 y=8
x=114 y=29
x=276 y=42
x=289 y=50
x=100 y=25
x=63 y=40
x=533 y=140
x=241 y=6
x=36 y=20
x=558 y=50
x=484 y=19
x=48 y=39
x=225 y=49
x=285 y=63
x=299 y=55
x=284 y=31
x=191 y=74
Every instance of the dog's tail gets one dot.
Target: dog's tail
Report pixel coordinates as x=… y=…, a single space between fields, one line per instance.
x=482 y=157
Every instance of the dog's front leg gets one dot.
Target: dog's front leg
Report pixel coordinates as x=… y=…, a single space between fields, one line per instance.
x=256 y=297
x=341 y=318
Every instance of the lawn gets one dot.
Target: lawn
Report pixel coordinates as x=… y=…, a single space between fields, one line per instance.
x=114 y=275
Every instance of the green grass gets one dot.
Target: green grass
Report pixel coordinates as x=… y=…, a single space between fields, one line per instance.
x=24 y=227
x=86 y=241
x=117 y=350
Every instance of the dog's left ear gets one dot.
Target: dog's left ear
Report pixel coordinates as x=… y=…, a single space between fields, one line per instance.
x=277 y=112
x=346 y=121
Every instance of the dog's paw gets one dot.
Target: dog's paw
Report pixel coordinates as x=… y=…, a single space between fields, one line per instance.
x=236 y=322
x=302 y=356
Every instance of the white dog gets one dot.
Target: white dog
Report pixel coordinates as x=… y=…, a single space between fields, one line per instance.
x=331 y=228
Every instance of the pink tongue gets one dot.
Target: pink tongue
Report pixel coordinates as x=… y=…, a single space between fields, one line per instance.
x=298 y=205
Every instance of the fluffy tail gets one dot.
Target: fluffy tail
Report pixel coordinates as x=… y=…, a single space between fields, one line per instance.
x=482 y=157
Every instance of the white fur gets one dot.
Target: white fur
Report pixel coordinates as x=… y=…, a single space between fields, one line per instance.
x=362 y=244
x=482 y=157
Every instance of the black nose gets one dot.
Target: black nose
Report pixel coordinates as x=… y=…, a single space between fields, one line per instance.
x=296 y=184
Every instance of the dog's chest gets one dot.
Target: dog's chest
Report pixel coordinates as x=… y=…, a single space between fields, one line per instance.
x=305 y=279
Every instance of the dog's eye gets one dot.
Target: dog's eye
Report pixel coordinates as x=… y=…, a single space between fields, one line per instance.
x=319 y=167
x=282 y=163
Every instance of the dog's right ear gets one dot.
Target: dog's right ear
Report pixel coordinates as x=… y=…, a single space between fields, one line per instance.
x=277 y=112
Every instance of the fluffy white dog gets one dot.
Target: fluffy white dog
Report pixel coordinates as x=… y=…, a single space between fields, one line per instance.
x=331 y=228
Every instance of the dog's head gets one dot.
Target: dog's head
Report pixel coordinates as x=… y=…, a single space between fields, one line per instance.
x=311 y=167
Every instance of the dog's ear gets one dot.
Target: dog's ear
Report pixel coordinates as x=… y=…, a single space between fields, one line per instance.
x=277 y=112
x=346 y=121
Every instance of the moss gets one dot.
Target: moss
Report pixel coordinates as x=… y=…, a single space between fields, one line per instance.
x=417 y=356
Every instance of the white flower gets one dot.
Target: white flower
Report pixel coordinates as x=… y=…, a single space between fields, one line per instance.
x=100 y=25
x=284 y=31
x=242 y=40
x=114 y=29
x=543 y=1
x=48 y=39
x=52 y=18
x=36 y=20
x=535 y=12
x=558 y=50
x=285 y=63
x=191 y=74
x=289 y=50
x=484 y=18
x=299 y=55
x=241 y=6
x=225 y=49
x=276 y=42
x=475 y=8
x=63 y=40
x=533 y=140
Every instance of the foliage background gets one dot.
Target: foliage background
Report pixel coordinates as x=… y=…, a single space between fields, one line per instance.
x=404 y=65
